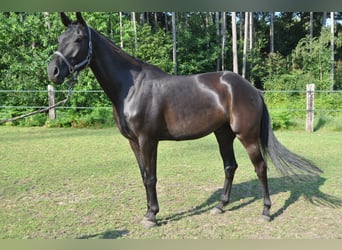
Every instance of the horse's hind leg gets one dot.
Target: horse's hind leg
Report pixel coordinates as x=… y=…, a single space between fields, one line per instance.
x=225 y=138
x=253 y=148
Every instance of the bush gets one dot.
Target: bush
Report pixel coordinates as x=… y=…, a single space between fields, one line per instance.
x=98 y=117
x=37 y=120
x=281 y=120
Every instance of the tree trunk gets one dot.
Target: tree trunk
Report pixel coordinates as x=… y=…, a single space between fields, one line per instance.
x=324 y=19
x=245 y=41
x=272 y=32
x=148 y=17
x=251 y=38
x=251 y=47
x=332 y=31
x=121 y=31
x=223 y=44
x=217 y=20
x=311 y=30
x=234 y=40
x=241 y=27
x=174 y=36
x=155 y=15
x=135 y=32
x=166 y=24
x=142 y=18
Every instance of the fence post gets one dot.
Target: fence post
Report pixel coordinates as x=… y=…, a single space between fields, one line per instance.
x=310 y=107
x=51 y=97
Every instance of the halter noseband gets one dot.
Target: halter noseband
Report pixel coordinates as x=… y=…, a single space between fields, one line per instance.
x=85 y=62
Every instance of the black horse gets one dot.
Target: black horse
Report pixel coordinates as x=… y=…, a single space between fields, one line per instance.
x=150 y=105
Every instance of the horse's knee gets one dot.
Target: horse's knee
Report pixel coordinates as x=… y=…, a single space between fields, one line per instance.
x=230 y=169
x=149 y=180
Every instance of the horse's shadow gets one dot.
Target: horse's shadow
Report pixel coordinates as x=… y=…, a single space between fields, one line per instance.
x=250 y=191
x=111 y=234
x=247 y=193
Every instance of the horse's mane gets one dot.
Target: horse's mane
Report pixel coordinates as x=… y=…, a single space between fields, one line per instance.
x=132 y=59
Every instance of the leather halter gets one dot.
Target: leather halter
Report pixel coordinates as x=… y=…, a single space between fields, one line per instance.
x=77 y=67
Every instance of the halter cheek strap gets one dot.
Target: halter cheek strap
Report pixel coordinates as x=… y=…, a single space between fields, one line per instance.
x=71 y=68
x=85 y=62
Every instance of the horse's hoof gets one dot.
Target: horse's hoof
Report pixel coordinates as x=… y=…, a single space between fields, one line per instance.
x=265 y=218
x=216 y=211
x=148 y=223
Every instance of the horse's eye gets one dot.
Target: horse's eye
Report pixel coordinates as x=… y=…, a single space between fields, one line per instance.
x=78 y=40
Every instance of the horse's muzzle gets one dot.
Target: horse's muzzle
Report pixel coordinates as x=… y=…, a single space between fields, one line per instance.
x=55 y=73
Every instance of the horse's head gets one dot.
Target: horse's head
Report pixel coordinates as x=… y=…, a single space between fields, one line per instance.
x=74 y=49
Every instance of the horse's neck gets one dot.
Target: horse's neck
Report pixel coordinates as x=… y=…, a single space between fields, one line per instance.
x=114 y=69
x=116 y=73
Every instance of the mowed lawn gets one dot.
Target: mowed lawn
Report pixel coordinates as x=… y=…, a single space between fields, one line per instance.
x=85 y=184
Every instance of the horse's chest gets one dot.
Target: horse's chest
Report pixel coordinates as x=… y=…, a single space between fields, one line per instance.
x=141 y=110
x=134 y=114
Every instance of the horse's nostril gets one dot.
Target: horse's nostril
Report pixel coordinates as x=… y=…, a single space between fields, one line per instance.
x=56 y=71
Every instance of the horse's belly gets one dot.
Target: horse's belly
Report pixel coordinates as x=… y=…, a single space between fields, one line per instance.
x=195 y=124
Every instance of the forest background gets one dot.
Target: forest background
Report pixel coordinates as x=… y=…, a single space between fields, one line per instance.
x=275 y=51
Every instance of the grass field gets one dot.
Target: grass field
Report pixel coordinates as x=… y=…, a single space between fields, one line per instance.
x=85 y=184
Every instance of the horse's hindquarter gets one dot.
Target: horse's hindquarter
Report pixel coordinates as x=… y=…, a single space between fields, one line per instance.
x=245 y=104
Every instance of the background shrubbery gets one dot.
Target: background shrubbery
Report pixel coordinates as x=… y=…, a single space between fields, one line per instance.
x=29 y=40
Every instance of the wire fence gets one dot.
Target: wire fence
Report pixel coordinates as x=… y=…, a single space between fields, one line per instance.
x=17 y=97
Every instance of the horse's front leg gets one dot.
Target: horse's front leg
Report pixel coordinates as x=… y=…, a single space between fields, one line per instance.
x=145 y=151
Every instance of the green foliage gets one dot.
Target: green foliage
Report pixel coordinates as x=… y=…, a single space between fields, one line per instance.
x=197 y=46
x=338 y=76
x=155 y=48
x=281 y=120
x=28 y=41
x=97 y=117
x=26 y=48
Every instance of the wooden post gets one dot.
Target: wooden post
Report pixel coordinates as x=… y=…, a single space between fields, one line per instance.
x=51 y=96
x=310 y=107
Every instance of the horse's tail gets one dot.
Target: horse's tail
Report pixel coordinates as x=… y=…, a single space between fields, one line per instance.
x=286 y=162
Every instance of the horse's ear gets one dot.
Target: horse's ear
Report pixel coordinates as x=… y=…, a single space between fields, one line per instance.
x=65 y=20
x=80 y=19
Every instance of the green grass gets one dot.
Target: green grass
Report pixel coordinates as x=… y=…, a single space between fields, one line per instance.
x=85 y=183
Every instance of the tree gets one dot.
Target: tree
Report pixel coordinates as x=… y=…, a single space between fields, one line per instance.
x=191 y=42
x=121 y=31
x=251 y=43
x=174 y=40
x=223 y=44
x=245 y=41
x=217 y=25
x=311 y=29
x=135 y=31
x=314 y=65
x=324 y=19
x=166 y=22
x=234 y=42
x=272 y=32
x=332 y=35
x=197 y=45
